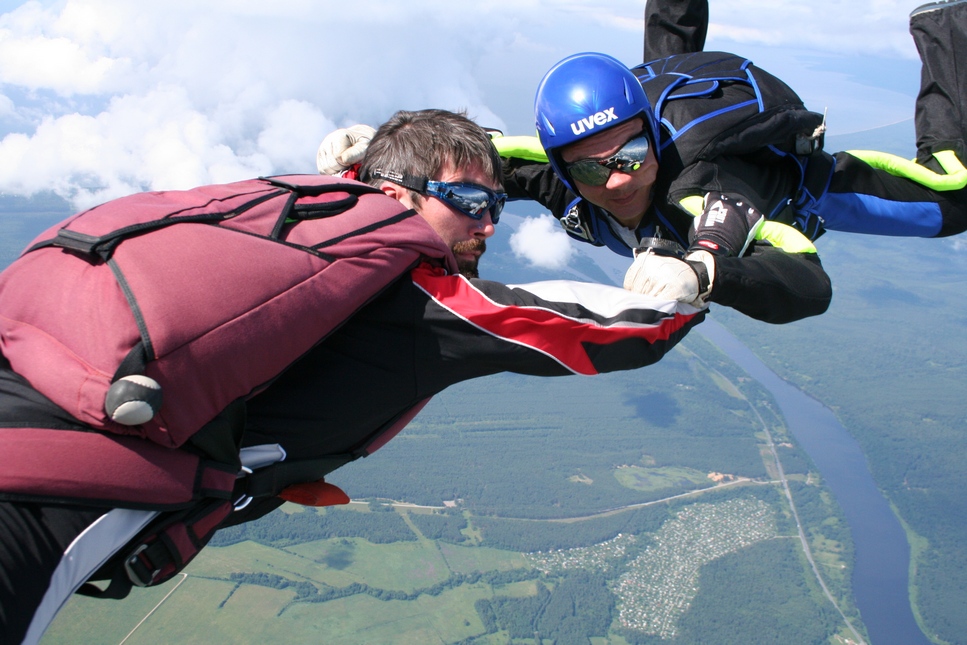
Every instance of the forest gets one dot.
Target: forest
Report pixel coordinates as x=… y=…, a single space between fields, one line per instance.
x=898 y=388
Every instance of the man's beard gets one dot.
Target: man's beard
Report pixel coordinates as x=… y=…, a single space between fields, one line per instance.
x=468 y=268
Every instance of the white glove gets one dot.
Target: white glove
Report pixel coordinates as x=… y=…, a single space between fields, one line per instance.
x=669 y=278
x=342 y=148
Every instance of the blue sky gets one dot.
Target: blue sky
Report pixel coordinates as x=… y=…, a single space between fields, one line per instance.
x=100 y=98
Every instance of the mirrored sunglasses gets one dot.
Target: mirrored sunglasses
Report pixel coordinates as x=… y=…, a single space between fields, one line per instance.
x=473 y=200
x=595 y=172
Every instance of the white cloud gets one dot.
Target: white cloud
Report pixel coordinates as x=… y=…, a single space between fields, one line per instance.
x=151 y=142
x=6 y=106
x=56 y=63
x=69 y=49
x=292 y=134
x=106 y=96
x=542 y=243
x=117 y=97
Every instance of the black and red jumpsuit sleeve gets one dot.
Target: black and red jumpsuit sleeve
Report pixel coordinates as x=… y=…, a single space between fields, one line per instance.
x=550 y=328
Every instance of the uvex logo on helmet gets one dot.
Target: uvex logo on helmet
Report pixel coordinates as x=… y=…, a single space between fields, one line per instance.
x=596 y=119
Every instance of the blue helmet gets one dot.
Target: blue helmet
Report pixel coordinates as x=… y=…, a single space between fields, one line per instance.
x=583 y=95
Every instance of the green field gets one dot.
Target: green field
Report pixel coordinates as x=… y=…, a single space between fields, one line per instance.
x=655 y=479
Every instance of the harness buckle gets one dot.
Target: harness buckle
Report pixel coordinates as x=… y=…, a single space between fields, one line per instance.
x=139 y=568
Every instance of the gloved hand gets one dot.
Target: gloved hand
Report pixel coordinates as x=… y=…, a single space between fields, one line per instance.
x=670 y=278
x=727 y=226
x=342 y=148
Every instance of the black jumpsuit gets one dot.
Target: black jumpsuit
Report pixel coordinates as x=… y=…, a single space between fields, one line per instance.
x=429 y=330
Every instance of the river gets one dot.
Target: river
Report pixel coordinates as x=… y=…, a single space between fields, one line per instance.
x=882 y=558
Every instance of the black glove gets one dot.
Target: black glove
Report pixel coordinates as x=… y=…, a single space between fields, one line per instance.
x=727 y=226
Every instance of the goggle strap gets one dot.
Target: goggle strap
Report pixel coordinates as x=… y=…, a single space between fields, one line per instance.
x=418 y=184
x=422 y=185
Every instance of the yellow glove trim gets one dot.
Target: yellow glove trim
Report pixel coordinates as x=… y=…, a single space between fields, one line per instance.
x=784 y=237
x=781 y=236
x=694 y=205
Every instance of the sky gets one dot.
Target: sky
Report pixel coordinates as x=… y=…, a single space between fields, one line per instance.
x=102 y=98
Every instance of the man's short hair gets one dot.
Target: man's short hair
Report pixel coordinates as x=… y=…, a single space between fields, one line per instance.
x=426 y=142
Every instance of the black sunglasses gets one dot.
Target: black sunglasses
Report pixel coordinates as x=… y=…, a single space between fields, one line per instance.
x=473 y=200
x=595 y=172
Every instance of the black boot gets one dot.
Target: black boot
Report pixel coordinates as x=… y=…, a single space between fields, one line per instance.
x=674 y=27
x=939 y=30
x=934 y=6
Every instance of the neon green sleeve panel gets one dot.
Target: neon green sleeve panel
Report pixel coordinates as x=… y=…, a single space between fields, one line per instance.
x=781 y=236
x=955 y=179
x=520 y=147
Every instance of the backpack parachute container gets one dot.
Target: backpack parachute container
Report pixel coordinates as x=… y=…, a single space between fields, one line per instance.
x=210 y=292
x=190 y=301
x=712 y=104
x=743 y=109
